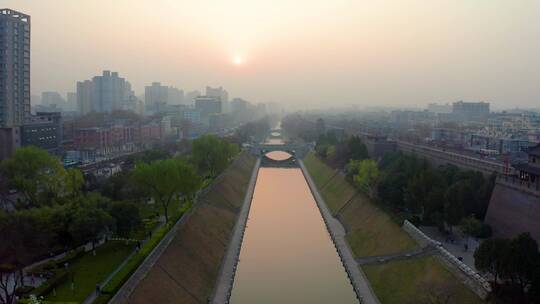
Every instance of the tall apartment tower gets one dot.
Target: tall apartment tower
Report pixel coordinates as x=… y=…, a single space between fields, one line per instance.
x=221 y=94
x=14 y=67
x=104 y=93
x=155 y=97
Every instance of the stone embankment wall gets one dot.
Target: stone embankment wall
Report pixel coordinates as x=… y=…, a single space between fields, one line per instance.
x=187 y=269
x=474 y=280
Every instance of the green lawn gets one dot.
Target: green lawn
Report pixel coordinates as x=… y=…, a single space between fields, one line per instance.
x=370 y=230
x=335 y=190
x=419 y=280
x=320 y=172
x=90 y=270
x=150 y=210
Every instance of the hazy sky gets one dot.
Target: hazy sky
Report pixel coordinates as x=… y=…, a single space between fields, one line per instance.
x=366 y=52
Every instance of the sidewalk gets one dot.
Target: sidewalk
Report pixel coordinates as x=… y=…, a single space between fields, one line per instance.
x=457 y=247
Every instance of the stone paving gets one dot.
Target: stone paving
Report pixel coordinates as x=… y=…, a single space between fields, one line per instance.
x=455 y=247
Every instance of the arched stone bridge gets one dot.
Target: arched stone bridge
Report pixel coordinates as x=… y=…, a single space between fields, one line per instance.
x=297 y=151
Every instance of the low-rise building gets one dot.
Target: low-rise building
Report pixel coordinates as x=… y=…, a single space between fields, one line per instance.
x=530 y=172
x=44 y=130
x=378 y=146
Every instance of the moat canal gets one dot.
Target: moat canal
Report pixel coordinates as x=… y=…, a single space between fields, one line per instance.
x=287 y=255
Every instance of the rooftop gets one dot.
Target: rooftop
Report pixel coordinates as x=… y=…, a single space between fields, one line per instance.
x=15 y=15
x=534 y=150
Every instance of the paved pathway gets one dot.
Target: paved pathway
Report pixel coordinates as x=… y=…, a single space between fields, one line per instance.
x=356 y=275
x=93 y=296
x=457 y=247
x=222 y=291
x=379 y=259
x=129 y=286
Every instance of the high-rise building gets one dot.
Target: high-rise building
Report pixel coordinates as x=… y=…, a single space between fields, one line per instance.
x=15 y=68
x=155 y=97
x=471 y=111
x=189 y=98
x=221 y=94
x=71 y=99
x=175 y=96
x=52 y=98
x=85 y=93
x=207 y=105
x=439 y=108
x=104 y=93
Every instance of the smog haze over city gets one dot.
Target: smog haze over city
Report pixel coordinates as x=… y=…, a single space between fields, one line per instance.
x=317 y=53
x=269 y=152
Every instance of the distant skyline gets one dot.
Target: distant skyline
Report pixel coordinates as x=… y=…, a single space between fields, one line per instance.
x=333 y=53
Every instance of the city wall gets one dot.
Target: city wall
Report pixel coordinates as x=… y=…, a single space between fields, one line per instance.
x=441 y=157
x=514 y=208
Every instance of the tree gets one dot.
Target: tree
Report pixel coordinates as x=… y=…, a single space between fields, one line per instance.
x=392 y=188
x=521 y=260
x=357 y=148
x=89 y=224
x=165 y=180
x=212 y=154
x=23 y=236
x=367 y=177
x=4 y=192
x=74 y=182
x=457 y=196
x=153 y=155
x=491 y=256
x=126 y=216
x=10 y=280
x=38 y=176
x=475 y=228
x=416 y=193
x=118 y=187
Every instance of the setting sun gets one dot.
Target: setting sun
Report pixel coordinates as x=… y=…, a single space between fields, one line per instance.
x=238 y=60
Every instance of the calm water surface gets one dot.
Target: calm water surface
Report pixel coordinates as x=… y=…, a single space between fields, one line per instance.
x=278 y=155
x=274 y=141
x=287 y=255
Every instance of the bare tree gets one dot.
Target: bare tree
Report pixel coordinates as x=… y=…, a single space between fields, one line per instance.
x=10 y=280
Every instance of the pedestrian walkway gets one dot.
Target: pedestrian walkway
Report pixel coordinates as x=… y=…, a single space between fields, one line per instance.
x=379 y=259
x=455 y=245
